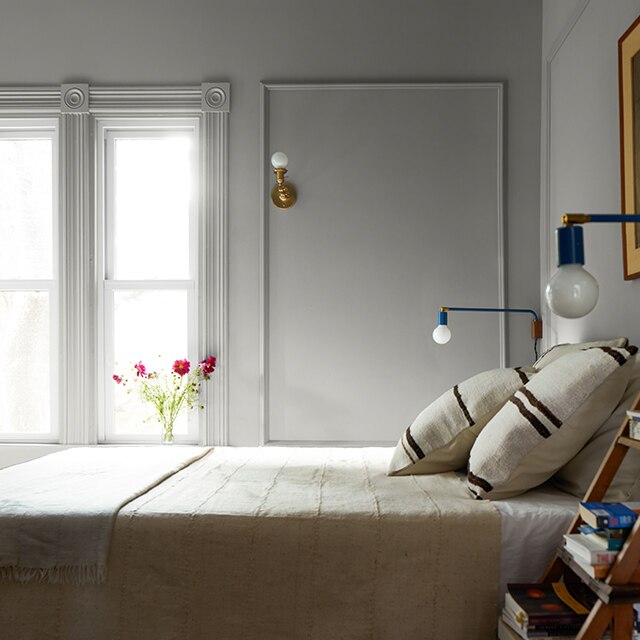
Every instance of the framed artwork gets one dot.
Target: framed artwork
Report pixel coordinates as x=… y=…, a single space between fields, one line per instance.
x=629 y=80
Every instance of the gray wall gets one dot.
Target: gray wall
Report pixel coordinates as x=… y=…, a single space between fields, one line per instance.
x=245 y=42
x=580 y=155
x=357 y=271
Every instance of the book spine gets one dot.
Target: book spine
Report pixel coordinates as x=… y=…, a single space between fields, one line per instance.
x=601 y=519
x=602 y=557
x=559 y=634
x=593 y=557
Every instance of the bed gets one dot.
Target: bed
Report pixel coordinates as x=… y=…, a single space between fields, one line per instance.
x=299 y=543
x=321 y=543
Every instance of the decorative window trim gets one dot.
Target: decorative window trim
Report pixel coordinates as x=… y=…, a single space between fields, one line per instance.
x=76 y=105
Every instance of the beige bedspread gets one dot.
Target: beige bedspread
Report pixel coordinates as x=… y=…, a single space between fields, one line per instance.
x=280 y=543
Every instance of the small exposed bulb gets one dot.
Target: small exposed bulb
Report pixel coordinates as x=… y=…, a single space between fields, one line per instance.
x=572 y=292
x=441 y=334
x=279 y=160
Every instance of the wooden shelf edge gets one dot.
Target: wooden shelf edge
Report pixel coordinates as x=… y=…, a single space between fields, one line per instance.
x=632 y=443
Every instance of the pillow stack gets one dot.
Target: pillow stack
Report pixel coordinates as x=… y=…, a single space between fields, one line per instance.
x=515 y=428
x=441 y=437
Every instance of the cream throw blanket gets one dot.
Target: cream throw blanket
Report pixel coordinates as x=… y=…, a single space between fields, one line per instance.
x=57 y=512
x=283 y=544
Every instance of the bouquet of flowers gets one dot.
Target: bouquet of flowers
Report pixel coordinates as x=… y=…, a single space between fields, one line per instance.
x=169 y=393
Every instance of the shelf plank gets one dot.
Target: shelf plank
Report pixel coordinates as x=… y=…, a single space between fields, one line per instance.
x=632 y=443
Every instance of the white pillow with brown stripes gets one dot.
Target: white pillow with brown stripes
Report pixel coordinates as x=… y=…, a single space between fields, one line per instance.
x=440 y=438
x=548 y=421
x=559 y=350
x=576 y=476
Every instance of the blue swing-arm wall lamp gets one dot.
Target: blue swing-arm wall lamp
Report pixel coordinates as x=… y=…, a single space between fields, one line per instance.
x=573 y=292
x=442 y=333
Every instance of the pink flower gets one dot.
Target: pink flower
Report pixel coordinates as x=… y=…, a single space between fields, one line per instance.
x=141 y=370
x=181 y=367
x=117 y=378
x=208 y=366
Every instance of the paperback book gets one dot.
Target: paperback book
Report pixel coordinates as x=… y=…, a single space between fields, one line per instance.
x=549 y=608
x=584 y=548
x=610 y=514
x=596 y=571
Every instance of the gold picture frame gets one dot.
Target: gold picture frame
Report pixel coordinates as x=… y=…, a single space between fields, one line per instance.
x=629 y=86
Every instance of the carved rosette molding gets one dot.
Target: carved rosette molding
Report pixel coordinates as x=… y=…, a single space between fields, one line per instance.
x=77 y=105
x=74 y=98
x=215 y=96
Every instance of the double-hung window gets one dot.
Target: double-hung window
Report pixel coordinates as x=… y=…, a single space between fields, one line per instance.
x=28 y=280
x=148 y=222
x=112 y=251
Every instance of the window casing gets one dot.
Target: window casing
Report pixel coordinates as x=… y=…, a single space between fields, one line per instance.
x=85 y=289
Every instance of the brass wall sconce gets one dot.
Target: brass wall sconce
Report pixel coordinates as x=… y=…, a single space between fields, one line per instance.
x=283 y=195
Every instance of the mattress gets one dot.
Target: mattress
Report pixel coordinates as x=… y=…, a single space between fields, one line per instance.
x=532 y=526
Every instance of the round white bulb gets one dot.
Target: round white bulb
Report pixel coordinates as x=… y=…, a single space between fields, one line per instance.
x=441 y=334
x=279 y=160
x=572 y=292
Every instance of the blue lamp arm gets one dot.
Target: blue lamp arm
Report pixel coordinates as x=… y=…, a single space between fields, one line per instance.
x=491 y=310
x=536 y=323
x=583 y=218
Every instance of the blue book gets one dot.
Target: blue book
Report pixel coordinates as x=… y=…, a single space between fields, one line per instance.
x=608 y=514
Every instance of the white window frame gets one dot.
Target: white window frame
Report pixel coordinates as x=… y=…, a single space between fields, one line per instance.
x=107 y=132
x=76 y=108
x=12 y=128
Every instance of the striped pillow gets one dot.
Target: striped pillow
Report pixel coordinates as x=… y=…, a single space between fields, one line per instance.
x=576 y=476
x=559 y=350
x=547 y=422
x=440 y=438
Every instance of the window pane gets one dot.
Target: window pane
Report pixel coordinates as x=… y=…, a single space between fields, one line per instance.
x=152 y=183
x=24 y=362
x=26 y=208
x=149 y=326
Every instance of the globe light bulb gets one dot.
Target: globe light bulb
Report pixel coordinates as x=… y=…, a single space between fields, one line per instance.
x=572 y=292
x=279 y=160
x=441 y=334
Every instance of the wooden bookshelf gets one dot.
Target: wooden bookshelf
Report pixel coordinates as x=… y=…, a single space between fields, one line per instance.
x=621 y=588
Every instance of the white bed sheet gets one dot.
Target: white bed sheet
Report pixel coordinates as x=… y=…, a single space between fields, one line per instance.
x=532 y=527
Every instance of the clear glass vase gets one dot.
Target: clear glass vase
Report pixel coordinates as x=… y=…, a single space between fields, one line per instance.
x=166 y=434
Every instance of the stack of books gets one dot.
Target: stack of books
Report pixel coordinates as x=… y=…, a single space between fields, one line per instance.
x=551 y=611
x=605 y=527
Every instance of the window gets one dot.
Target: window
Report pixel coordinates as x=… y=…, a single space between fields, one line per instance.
x=148 y=220
x=112 y=250
x=28 y=280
